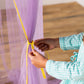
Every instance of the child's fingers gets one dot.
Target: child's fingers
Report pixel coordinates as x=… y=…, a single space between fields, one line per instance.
x=35 y=53
x=44 y=48
x=37 y=42
x=41 y=45
x=30 y=55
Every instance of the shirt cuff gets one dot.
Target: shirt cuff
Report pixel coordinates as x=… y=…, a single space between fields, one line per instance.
x=48 y=66
x=62 y=43
x=83 y=33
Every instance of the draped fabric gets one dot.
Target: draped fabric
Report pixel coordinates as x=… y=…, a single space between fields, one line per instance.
x=13 y=43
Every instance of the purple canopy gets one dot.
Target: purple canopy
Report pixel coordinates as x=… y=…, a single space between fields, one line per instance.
x=13 y=42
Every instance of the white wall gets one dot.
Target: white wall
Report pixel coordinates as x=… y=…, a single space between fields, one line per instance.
x=2 y=4
x=50 y=2
x=45 y=2
x=81 y=2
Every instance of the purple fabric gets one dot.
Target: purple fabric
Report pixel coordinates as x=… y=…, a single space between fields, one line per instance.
x=29 y=18
x=29 y=9
x=31 y=12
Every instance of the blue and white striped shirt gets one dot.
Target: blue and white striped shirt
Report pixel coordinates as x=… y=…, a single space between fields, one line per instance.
x=69 y=72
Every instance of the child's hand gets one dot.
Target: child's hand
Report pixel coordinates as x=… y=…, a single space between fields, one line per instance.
x=37 y=59
x=47 y=44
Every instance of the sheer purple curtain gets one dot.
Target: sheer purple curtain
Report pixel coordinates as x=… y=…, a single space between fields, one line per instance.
x=29 y=10
x=13 y=42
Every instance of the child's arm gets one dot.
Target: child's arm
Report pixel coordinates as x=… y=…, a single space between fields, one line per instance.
x=65 y=70
x=71 y=42
x=65 y=43
x=68 y=70
x=47 y=43
x=59 y=69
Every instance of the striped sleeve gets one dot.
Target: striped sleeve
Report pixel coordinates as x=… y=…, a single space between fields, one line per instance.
x=65 y=70
x=72 y=42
